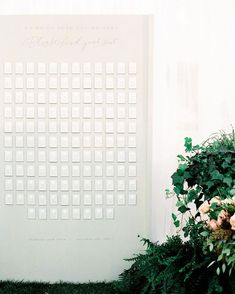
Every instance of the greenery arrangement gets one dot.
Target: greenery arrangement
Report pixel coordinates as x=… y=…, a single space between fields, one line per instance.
x=204 y=185
x=16 y=287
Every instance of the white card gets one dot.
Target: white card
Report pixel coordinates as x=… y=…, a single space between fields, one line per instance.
x=86 y=67
x=98 y=213
x=121 y=185
x=121 y=199
x=42 y=213
x=41 y=68
x=20 y=198
x=76 y=199
x=31 y=199
x=87 y=199
x=87 y=185
x=76 y=214
x=7 y=97
x=75 y=171
x=121 y=68
x=110 y=213
x=109 y=170
x=98 y=68
x=76 y=97
x=64 y=199
x=53 y=171
x=87 y=213
x=109 y=68
x=8 y=199
x=75 y=185
x=109 y=185
x=109 y=199
x=64 y=185
x=42 y=199
x=41 y=126
x=132 y=170
x=19 y=68
x=99 y=185
x=8 y=170
x=121 y=170
x=7 y=68
x=98 y=170
x=87 y=97
x=76 y=82
x=53 y=213
x=53 y=199
x=31 y=213
x=19 y=185
x=64 y=68
x=53 y=68
x=30 y=171
x=41 y=170
x=98 y=198
x=30 y=68
x=132 y=68
x=132 y=199
x=53 y=185
x=87 y=171
x=19 y=170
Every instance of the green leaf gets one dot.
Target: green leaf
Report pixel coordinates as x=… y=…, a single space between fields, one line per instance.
x=176 y=190
x=177 y=223
x=179 y=203
x=223 y=267
x=220 y=257
x=196 y=147
x=228 y=181
x=181 y=157
x=226 y=251
x=211 y=246
x=188 y=144
x=218 y=271
x=183 y=209
x=213 y=205
x=210 y=264
x=216 y=175
x=182 y=166
x=192 y=194
x=204 y=234
x=177 y=179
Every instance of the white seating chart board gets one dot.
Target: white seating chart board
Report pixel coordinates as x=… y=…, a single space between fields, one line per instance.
x=73 y=145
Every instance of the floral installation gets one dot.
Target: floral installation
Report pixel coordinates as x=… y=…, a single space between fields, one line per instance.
x=204 y=185
x=219 y=230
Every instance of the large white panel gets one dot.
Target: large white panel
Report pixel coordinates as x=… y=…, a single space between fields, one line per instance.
x=74 y=145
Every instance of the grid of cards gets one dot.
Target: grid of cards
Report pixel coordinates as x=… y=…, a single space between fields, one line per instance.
x=70 y=133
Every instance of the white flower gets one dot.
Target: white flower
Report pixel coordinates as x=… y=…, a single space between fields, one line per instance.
x=215 y=199
x=233 y=199
x=227 y=201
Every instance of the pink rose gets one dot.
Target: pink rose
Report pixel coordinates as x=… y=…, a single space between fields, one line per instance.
x=204 y=208
x=213 y=224
x=232 y=222
x=223 y=214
